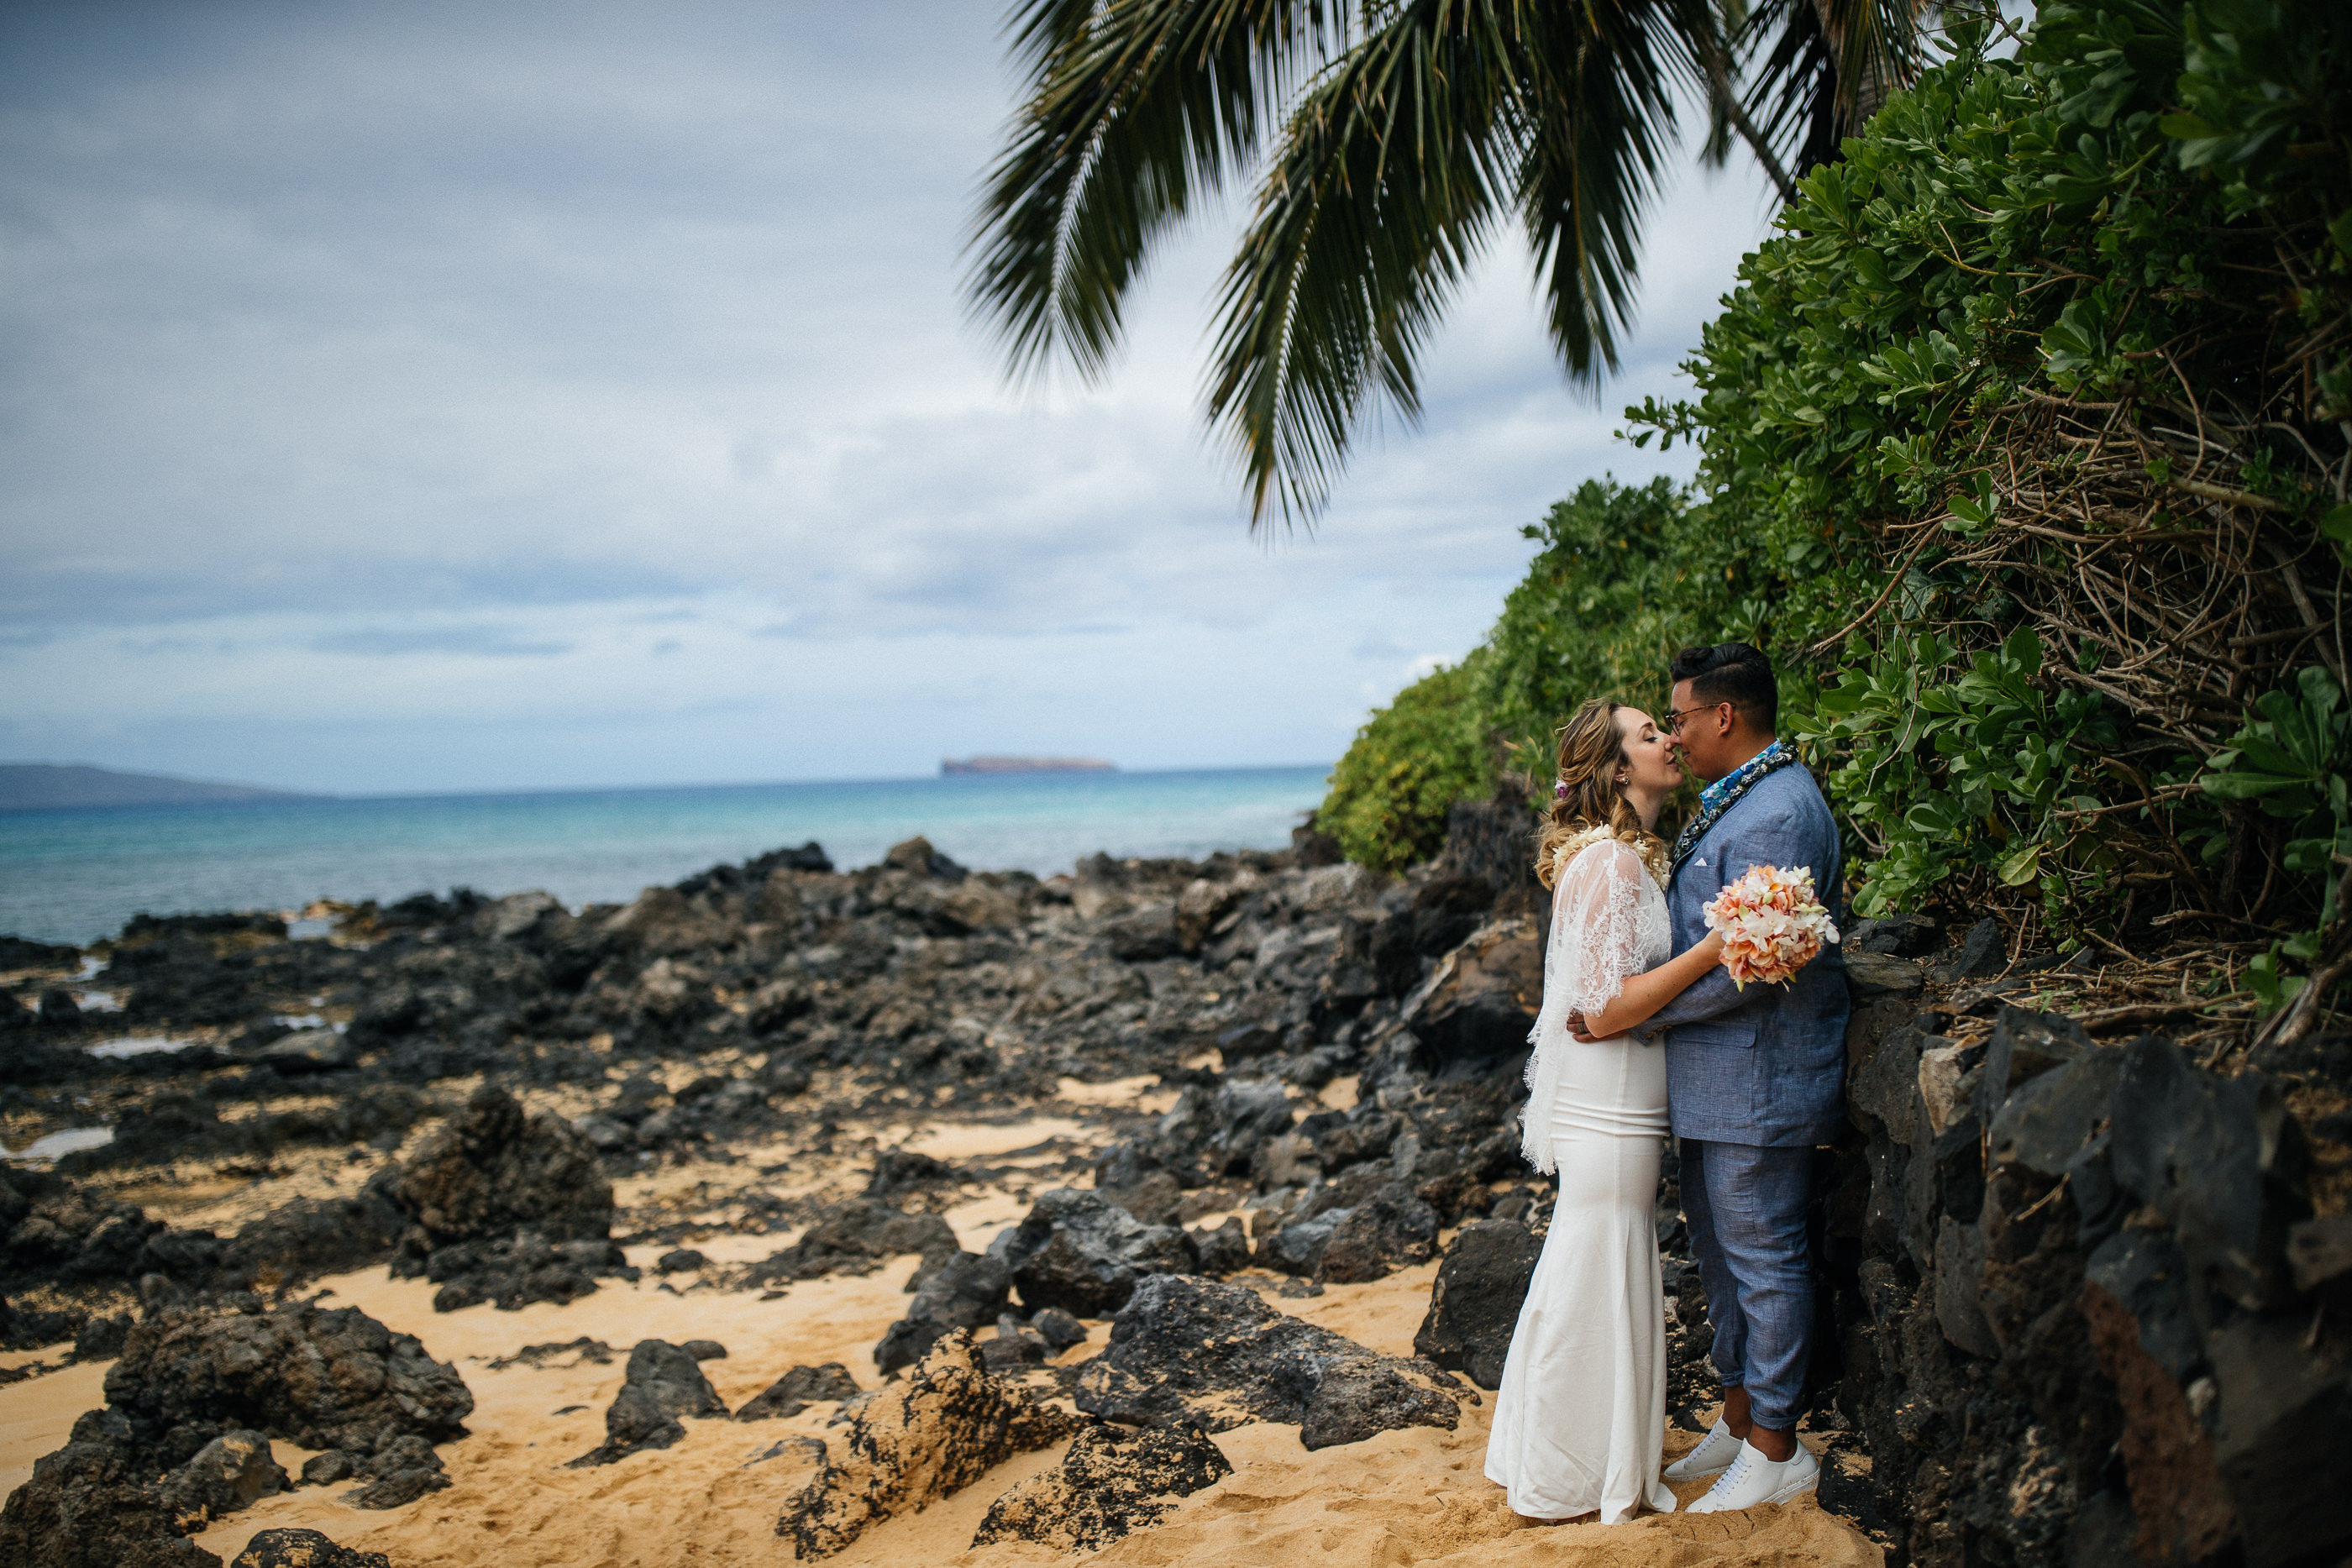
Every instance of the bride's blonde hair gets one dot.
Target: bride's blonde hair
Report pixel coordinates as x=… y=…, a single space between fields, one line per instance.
x=1588 y=795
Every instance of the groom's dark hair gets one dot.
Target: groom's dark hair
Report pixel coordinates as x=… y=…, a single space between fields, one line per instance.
x=1732 y=673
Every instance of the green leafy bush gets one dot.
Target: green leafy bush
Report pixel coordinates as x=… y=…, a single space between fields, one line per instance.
x=2024 y=453
x=2030 y=412
x=1410 y=762
x=1625 y=575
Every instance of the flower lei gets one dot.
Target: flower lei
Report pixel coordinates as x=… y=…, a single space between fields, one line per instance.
x=1653 y=854
x=1727 y=791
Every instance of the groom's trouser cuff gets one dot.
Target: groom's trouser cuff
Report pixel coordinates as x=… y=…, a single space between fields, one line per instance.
x=1746 y=1207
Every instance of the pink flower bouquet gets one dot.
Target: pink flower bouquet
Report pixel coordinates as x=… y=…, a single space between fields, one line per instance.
x=1772 y=923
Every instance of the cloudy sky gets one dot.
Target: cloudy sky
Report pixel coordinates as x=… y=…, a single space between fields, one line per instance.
x=478 y=396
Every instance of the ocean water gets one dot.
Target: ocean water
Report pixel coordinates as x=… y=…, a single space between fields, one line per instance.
x=74 y=876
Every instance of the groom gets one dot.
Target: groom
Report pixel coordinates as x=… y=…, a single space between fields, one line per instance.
x=1754 y=1077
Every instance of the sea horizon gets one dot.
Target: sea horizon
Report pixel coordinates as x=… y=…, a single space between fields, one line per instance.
x=76 y=874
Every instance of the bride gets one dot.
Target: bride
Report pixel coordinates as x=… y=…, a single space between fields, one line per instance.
x=1580 y=1416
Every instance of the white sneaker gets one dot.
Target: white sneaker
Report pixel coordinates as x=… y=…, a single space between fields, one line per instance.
x=1714 y=1455
x=1755 y=1481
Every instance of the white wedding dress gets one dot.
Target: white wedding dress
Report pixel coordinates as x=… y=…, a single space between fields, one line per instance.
x=1581 y=1412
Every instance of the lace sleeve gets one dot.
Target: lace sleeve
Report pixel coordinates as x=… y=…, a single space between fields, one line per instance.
x=1596 y=927
x=1595 y=943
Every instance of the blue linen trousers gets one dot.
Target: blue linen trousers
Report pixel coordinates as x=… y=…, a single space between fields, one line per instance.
x=1745 y=1204
x=1755 y=1078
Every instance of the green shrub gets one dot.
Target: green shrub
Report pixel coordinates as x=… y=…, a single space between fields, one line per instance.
x=2030 y=416
x=1627 y=575
x=1410 y=762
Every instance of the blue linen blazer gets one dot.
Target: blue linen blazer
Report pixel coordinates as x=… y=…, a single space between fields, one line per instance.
x=1765 y=1064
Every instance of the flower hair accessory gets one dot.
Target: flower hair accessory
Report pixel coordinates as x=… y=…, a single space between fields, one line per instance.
x=1560 y=788
x=1772 y=923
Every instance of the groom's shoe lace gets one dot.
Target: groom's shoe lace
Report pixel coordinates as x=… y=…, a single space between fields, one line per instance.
x=1730 y=1478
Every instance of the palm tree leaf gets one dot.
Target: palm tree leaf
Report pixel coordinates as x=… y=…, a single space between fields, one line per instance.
x=1385 y=186
x=1382 y=190
x=1602 y=96
x=1132 y=110
x=1826 y=66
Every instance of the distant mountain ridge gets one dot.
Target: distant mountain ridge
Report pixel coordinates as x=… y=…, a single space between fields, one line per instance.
x=950 y=767
x=52 y=786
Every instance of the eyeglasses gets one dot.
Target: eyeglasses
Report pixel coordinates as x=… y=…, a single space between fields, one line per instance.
x=1674 y=717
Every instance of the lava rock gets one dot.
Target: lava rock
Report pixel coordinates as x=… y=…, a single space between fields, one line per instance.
x=1392 y=1229
x=1872 y=975
x=1112 y=1481
x=494 y=1169
x=1474 y=1307
x=305 y=1237
x=397 y=1474
x=965 y=1291
x=684 y=1261
x=1079 y=1252
x=513 y=1272
x=663 y=1382
x=2284 y=1417
x=909 y=1447
x=798 y=1389
x=897 y=1171
x=102 y=1337
x=1144 y=935
x=311 y=1052
x=855 y=1238
x=89 y=1505
x=1222 y=1252
x=916 y=857
x=231 y=1472
x=1058 y=1329
x=1243 y=1113
x=1297 y=1249
x=303 y=1549
x=315 y=1377
x=1900 y=935
x=1472 y=1016
x=2217 y=1157
x=1981 y=953
x=1196 y=1352
x=325 y=1469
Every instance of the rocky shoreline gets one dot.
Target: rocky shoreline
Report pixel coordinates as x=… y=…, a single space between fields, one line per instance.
x=1124 y=1133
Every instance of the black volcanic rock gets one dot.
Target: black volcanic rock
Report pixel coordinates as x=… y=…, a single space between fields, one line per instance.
x=494 y=1169
x=1111 y=1482
x=1077 y=1251
x=1392 y=1229
x=1194 y=1353
x=303 y=1549
x=1474 y=1307
x=664 y=1381
x=798 y=1389
x=966 y=1291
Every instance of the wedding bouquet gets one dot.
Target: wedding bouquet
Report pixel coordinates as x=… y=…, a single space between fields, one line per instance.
x=1772 y=922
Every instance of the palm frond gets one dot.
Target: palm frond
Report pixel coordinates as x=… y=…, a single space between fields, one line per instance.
x=1132 y=110
x=1602 y=96
x=1825 y=66
x=1382 y=191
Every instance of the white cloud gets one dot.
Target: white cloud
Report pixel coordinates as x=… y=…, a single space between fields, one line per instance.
x=379 y=376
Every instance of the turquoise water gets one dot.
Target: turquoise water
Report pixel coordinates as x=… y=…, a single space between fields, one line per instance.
x=74 y=876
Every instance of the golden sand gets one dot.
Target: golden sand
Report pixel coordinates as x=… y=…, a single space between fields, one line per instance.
x=1417 y=1496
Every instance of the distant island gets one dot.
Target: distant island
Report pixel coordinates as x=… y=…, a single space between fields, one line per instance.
x=951 y=768
x=49 y=786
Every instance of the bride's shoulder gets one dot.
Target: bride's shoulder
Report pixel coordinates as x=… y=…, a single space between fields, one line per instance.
x=1595 y=853
x=1598 y=853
